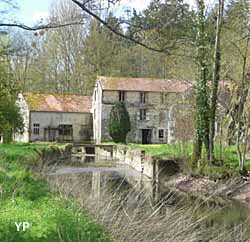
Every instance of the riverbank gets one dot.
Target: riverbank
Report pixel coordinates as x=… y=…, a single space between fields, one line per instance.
x=121 y=204
x=168 y=164
x=121 y=199
x=26 y=197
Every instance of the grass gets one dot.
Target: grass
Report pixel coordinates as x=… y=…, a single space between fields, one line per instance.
x=25 y=197
x=166 y=150
x=227 y=155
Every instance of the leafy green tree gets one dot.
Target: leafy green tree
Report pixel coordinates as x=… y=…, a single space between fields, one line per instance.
x=11 y=120
x=119 y=123
x=10 y=117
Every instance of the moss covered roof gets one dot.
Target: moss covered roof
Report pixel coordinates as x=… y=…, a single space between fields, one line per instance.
x=57 y=102
x=144 y=84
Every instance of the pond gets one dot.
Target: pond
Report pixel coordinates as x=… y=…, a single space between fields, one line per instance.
x=132 y=208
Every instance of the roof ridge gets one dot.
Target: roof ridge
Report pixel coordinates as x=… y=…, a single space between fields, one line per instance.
x=150 y=78
x=149 y=84
x=53 y=93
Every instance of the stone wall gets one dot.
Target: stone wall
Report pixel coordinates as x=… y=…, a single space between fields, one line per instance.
x=163 y=110
x=81 y=122
x=24 y=137
x=136 y=158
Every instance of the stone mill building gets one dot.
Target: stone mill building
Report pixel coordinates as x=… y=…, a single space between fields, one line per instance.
x=160 y=110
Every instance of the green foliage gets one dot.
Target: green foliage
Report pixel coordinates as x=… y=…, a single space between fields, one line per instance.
x=119 y=123
x=10 y=117
x=26 y=197
x=176 y=150
x=163 y=19
x=202 y=96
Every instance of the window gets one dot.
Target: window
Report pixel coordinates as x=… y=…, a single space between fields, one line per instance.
x=143 y=114
x=95 y=95
x=36 y=128
x=161 y=133
x=142 y=97
x=121 y=96
x=65 y=129
x=162 y=98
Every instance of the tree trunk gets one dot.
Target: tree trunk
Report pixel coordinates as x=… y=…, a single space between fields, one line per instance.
x=202 y=106
x=216 y=79
x=239 y=152
x=197 y=149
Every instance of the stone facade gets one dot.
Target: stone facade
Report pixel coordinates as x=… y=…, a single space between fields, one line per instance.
x=81 y=126
x=157 y=124
x=24 y=109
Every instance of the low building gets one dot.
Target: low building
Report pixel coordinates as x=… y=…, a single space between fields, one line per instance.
x=55 y=117
x=158 y=109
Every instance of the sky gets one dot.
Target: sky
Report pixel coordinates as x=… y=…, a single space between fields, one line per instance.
x=32 y=11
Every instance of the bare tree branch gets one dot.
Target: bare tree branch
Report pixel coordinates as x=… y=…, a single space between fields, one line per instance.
x=39 y=27
x=117 y=32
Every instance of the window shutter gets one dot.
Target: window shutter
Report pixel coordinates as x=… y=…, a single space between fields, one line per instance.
x=147 y=116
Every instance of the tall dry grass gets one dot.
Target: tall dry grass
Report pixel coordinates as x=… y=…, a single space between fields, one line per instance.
x=131 y=214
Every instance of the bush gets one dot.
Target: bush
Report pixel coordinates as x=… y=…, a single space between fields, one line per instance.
x=119 y=123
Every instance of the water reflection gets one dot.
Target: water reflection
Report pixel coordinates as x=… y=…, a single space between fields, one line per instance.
x=128 y=204
x=97 y=179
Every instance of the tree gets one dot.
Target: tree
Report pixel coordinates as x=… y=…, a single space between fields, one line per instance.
x=103 y=50
x=10 y=116
x=164 y=27
x=238 y=39
x=119 y=123
x=202 y=100
x=11 y=120
x=216 y=78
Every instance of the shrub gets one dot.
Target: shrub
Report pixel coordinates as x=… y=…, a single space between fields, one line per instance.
x=119 y=123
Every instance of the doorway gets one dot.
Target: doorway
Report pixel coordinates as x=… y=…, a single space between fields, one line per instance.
x=146 y=136
x=50 y=134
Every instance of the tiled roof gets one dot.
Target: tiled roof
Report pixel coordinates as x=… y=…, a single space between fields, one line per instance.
x=57 y=102
x=143 y=84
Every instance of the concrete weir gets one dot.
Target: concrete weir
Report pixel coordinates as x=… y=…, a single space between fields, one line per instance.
x=136 y=158
x=150 y=170
x=88 y=152
x=133 y=157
